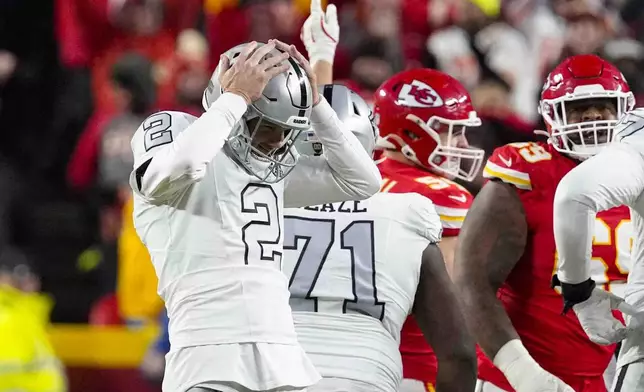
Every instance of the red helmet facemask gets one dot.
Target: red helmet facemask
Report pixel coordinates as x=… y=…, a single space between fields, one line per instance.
x=577 y=78
x=424 y=114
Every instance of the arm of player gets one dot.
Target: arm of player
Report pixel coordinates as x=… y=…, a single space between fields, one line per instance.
x=448 y=247
x=491 y=242
x=612 y=178
x=439 y=316
x=171 y=153
x=344 y=172
x=320 y=34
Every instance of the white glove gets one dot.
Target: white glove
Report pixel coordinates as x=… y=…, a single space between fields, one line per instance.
x=523 y=373
x=320 y=33
x=596 y=317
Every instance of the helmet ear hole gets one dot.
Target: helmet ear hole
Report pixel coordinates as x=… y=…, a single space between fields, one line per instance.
x=355 y=109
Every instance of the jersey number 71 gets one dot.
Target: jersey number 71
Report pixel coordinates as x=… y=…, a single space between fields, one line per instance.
x=314 y=238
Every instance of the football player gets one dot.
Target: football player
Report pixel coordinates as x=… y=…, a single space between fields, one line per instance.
x=506 y=253
x=422 y=115
x=209 y=199
x=612 y=178
x=356 y=270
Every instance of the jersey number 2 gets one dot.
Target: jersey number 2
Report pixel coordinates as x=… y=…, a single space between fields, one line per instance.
x=157 y=129
x=262 y=234
x=314 y=238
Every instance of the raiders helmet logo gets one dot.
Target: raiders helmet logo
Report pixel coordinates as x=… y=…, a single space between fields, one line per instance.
x=419 y=95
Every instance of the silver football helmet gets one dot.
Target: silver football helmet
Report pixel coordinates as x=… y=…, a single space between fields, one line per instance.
x=354 y=113
x=286 y=104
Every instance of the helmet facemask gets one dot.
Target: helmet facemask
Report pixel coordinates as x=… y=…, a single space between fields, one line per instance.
x=268 y=160
x=449 y=158
x=570 y=134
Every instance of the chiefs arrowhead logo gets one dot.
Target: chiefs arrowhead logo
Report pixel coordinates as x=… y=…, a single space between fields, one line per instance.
x=419 y=95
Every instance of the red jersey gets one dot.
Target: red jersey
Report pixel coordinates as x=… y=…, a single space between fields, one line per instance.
x=556 y=342
x=451 y=201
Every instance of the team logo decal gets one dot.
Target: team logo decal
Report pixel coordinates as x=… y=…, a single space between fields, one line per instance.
x=419 y=95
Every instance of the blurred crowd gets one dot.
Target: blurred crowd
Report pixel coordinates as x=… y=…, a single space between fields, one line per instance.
x=78 y=76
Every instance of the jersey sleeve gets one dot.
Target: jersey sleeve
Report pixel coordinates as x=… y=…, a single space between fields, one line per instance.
x=511 y=163
x=423 y=216
x=172 y=149
x=612 y=178
x=451 y=201
x=344 y=172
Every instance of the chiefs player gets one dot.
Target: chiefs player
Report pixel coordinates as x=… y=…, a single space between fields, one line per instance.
x=422 y=115
x=507 y=256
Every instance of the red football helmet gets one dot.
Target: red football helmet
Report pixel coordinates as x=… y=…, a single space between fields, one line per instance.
x=582 y=77
x=423 y=113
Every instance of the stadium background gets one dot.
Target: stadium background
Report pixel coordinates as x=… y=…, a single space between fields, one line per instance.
x=78 y=76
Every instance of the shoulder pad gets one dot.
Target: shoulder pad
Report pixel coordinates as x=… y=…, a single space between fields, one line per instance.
x=514 y=162
x=159 y=129
x=450 y=199
x=423 y=211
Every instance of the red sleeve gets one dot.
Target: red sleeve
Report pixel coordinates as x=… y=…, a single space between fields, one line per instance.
x=73 y=48
x=450 y=200
x=81 y=169
x=513 y=163
x=82 y=29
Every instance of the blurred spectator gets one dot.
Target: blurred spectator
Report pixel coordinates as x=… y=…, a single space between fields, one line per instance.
x=27 y=360
x=233 y=22
x=103 y=159
x=153 y=364
x=183 y=77
x=482 y=47
x=543 y=29
x=93 y=35
x=587 y=31
x=632 y=12
x=373 y=64
x=628 y=55
x=104 y=147
x=497 y=130
x=419 y=18
x=370 y=35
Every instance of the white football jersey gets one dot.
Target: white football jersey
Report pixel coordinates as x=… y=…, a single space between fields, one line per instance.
x=611 y=178
x=353 y=270
x=214 y=233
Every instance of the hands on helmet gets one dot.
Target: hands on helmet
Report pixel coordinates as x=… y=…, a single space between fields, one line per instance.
x=295 y=54
x=321 y=32
x=251 y=71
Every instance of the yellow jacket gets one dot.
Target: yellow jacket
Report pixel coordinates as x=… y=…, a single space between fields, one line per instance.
x=27 y=360
x=136 y=289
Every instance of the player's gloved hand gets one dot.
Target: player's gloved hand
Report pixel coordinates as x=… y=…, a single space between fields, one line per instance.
x=321 y=32
x=251 y=71
x=596 y=317
x=294 y=53
x=523 y=373
x=594 y=309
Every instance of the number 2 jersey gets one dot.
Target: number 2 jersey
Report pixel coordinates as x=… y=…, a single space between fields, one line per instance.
x=214 y=234
x=451 y=202
x=353 y=271
x=555 y=341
